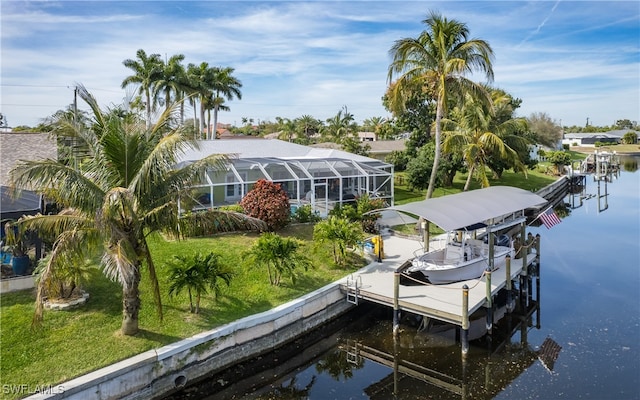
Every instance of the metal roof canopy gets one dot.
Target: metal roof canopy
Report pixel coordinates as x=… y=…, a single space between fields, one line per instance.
x=467 y=208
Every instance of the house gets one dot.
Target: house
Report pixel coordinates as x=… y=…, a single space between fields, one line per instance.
x=321 y=177
x=590 y=139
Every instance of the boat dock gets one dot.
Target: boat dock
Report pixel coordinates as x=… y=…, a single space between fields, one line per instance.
x=451 y=303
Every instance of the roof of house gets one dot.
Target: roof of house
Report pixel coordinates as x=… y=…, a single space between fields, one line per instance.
x=24 y=146
x=257 y=148
x=609 y=134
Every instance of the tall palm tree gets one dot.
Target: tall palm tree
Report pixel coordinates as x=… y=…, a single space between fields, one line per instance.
x=225 y=87
x=198 y=77
x=171 y=80
x=480 y=137
x=437 y=61
x=213 y=103
x=128 y=189
x=147 y=69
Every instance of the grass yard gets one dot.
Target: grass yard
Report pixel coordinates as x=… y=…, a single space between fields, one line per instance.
x=72 y=343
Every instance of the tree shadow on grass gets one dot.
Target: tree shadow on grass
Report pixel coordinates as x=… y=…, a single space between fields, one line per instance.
x=157 y=337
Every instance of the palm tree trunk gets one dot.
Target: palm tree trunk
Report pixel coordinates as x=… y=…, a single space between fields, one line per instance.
x=209 y=134
x=436 y=158
x=215 y=122
x=190 y=301
x=148 y=108
x=202 y=117
x=198 y=302
x=131 y=304
x=468 y=182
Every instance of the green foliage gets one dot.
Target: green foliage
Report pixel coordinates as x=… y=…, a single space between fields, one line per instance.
x=71 y=273
x=559 y=159
x=268 y=202
x=279 y=254
x=304 y=214
x=340 y=232
x=197 y=274
x=630 y=138
x=419 y=168
x=399 y=159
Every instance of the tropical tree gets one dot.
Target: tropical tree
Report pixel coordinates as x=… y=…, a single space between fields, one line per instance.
x=147 y=69
x=171 y=80
x=197 y=274
x=279 y=254
x=340 y=232
x=199 y=78
x=479 y=139
x=224 y=86
x=308 y=125
x=340 y=127
x=126 y=190
x=437 y=61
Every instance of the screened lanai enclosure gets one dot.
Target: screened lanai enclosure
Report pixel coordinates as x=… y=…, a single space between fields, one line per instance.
x=321 y=178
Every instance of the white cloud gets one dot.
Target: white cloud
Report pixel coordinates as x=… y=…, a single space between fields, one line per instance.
x=312 y=58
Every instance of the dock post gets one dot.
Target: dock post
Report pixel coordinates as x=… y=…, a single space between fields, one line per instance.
x=525 y=250
x=425 y=234
x=509 y=284
x=489 y=301
x=491 y=251
x=465 y=320
x=396 y=308
x=538 y=281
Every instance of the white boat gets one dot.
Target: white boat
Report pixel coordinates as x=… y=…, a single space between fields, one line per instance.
x=467 y=216
x=460 y=260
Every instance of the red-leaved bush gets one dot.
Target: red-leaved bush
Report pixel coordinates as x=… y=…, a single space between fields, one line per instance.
x=268 y=202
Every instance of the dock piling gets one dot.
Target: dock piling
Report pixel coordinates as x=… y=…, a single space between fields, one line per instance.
x=489 y=300
x=396 y=308
x=508 y=283
x=465 y=320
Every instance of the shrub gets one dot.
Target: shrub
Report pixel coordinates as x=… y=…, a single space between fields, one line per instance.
x=340 y=232
x=304 y=213
x=269 y=202
x=198 y=274
x=279 y=254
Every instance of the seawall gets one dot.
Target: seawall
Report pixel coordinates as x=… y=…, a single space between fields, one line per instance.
x=157 y=372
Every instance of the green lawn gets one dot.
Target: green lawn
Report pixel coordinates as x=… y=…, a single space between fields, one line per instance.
x=72 y=343
x=75 y=342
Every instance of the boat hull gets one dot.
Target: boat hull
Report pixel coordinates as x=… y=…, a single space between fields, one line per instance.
x=438 y=271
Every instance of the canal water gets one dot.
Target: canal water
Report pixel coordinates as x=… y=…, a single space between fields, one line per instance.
x=581 y=342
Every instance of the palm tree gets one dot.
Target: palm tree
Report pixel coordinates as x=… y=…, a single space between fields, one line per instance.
x=437 y=61
x=197 y=274
x=225 y=87
x=480 y=138
x=340 y=126
x=126 y=190
x=171 y=80
x=146 y=71
x=340 y=233
x=199 y=77
x=279 y=254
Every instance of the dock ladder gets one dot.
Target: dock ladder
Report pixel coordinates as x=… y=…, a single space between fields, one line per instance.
x=353 y=354
x=353 y=288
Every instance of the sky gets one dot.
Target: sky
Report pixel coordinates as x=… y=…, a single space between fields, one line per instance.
x=576 y=61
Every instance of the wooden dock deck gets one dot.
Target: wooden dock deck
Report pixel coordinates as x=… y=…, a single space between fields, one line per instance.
x=375 y=283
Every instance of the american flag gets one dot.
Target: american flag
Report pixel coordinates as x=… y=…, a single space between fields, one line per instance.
x=549 y=218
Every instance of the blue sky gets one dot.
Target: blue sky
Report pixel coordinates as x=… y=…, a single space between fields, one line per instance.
x=570 y=59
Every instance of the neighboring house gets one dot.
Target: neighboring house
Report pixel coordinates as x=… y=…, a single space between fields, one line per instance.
x=367 y=136
x=380 y=149
x=590 y=139
x=320 y=177
x=24 y=146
